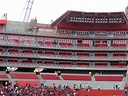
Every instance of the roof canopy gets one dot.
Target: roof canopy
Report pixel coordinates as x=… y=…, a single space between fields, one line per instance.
x=92 y=21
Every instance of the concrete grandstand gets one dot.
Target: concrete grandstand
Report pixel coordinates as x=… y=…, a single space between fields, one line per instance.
x=87 y=48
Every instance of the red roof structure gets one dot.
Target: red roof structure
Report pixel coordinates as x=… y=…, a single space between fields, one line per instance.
x=92 y=21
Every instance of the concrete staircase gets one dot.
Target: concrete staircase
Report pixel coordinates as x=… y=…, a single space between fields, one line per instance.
x=61 y=78
x=93 y=78
x=42 y=81
x=124 y=79
x=40 y=77
x=10 y=78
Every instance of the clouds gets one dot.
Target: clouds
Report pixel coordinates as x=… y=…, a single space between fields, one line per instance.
x=47 y=10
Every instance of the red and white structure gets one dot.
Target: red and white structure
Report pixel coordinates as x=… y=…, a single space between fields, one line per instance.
x=76 y=42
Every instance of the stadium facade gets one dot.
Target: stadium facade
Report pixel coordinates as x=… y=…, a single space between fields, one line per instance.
x=86 y=47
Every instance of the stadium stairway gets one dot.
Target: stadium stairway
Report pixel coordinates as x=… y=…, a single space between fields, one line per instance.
x=61 y=78
x=10 y=78
x=126 y=78
x=39 y=76
x=93 y=78
x=123 y=78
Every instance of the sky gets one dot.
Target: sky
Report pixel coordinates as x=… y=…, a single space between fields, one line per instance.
x=47 y=10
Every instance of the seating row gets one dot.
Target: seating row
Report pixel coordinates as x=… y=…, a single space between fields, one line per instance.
x=64 y=77
x=28 y=62
x=62 y=54
x=47 y=42
x=67 y=32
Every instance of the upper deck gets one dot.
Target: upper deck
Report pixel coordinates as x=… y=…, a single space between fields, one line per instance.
x=92 y=21
x=103 y=43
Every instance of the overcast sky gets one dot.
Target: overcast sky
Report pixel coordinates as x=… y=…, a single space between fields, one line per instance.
x=47 y=10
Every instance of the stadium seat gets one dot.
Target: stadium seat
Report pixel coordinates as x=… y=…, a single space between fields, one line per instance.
x=103 y=93
x=28 y=52
x=66 y=54
x=2 y=61
x=81 y=34
x=50 y=53
x=49 y=63
x=108 y=78
x=119 y=46
x=119 y=35
x=77 y=77
x=83 y=64
x=27 y=62
x=14 y=51
x=41 y=52
x=46 y=43
x=2 y=41
x=119 y=64
x=83 y=55
x=41 y=43
x=50 y=44
x=65 y=44
x=101 y=35
x=23 y=76
x=14 y=41
x=83 y=45
x=101 y=64
x=2 y=51
x=50 y=77
x=119 y=55
x=27 y=40
x=65 y=64
x=101 y=45
x=24 y=83
x=12 y=61
x=40 y=62
x=101 y=55
x=3 y=76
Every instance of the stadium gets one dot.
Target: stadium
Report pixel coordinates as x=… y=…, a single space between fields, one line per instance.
x=78 y=54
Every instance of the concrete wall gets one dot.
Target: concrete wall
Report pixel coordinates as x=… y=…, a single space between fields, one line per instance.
x=16 y=26
x=19 y=26
x=95 y=84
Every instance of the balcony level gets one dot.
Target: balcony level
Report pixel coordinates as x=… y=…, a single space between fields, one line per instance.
x=34 y=53
x=65 y=44
x=71 y=34
x=94 y=34
x=62 y=64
